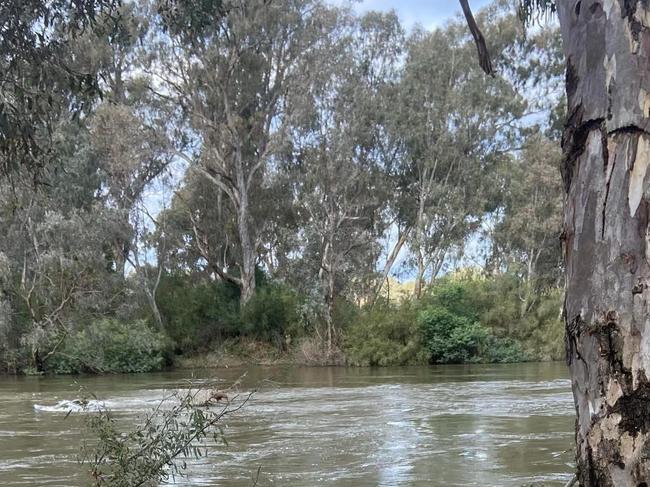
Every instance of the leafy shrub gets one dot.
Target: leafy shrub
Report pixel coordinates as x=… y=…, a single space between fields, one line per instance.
x=110 y=346
x=459 y=297
x=508 y=307
x=504 y=350
x=156 y=449
x=198 y=312
x=546 y=339
x=12 y=360
x=270 y=314
x=345 y=313
x=449 y=338
x=201 y=313
x=385 y=335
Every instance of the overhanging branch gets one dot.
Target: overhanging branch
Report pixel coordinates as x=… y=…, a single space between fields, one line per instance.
x=479 y=40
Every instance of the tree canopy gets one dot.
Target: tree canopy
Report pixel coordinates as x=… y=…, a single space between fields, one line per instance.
x=229 y=170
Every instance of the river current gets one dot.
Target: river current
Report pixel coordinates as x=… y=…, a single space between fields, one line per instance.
x=483 y=425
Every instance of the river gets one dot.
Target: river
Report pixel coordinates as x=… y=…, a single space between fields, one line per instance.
x=483 y=425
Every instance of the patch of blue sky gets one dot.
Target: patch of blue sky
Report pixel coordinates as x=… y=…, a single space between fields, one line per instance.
x=426 y=13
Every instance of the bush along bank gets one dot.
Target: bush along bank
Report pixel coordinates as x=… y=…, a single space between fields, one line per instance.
x=460 y=319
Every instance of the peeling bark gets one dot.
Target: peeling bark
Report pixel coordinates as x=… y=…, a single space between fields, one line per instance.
x=607 y=247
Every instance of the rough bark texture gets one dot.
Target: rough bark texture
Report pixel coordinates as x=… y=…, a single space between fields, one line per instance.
x=607 y=250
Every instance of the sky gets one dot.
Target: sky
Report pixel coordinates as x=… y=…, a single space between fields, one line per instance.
x=428 y=13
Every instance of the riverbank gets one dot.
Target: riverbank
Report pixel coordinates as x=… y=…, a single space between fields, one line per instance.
x=244 y=352
x=461 y=320
x=235 y=354
x=306 y=353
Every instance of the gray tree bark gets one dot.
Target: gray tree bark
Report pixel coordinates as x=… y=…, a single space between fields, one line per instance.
x=607 y=247
x=390 y=262
x=248 y=251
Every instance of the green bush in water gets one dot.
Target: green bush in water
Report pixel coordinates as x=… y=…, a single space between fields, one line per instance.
x=111 y=346
x=449 y=338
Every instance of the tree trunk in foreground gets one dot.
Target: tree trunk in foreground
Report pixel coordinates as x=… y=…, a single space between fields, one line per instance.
x=607 y=243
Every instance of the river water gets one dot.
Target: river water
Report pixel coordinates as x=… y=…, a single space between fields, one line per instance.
x=484 y=425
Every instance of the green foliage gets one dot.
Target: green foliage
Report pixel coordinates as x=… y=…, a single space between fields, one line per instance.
x=450 y=338
x=271 y=313
x=511 y=309
x=504 y=350
x=201 y=314
x=345 y=313
x=158 y=448
x=110 y=346
x=12 y=360
x=40 y=82
x=545 y=340
x=385 y=335
x=304 y=151
x=463 y=318
x=531 y=11
x=198 y=312
x=457 y=296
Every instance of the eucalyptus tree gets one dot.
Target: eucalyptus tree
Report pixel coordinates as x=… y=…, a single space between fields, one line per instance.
x=53 y=241
x=229 y=65
x=201 y=230
x=46 y=190
x=526 y=233
x=454 y=126
x=131 y=142
x=130 y=130
x=39 y=82
x=338 y=158
x=606 y=155
x=90 y=167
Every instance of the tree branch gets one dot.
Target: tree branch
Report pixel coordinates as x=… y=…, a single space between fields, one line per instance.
x=479 y=40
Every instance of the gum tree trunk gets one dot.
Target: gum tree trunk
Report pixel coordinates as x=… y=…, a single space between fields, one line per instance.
x=607 y=247
x=248 y=251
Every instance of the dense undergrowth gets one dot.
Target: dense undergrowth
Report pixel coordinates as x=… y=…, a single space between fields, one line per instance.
x=460 y=319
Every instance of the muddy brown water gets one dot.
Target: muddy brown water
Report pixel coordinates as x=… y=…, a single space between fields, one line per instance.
x=483 y=425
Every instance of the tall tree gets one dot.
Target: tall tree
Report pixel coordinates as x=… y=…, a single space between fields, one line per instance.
x=607 y=153
x=606 y=150
x=49 y=183
x=526 y=235
x=338 y=177
x=230 y=69
x=129 y=129
x=454 y=126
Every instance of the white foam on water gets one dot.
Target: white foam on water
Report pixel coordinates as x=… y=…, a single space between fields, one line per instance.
x=70 y=406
